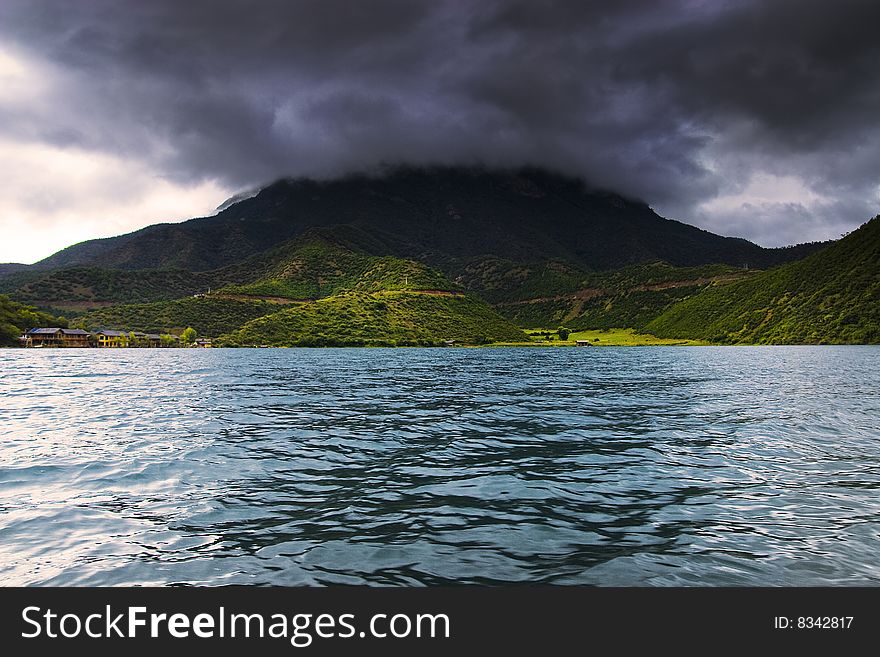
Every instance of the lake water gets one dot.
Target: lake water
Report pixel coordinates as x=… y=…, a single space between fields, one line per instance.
x=606 y=466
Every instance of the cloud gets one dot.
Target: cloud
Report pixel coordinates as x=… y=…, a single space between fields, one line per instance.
x=54 y=197
x=686 y=104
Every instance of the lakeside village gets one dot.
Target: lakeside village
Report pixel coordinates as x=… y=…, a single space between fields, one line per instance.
x=64 y=337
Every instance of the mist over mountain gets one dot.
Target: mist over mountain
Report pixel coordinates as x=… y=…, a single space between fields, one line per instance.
x=748 y=118
x=523 y=248
x=445 y=216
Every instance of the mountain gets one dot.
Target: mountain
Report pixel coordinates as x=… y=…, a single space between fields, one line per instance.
x=312 y=291
x=12 y=267
x=832 y=296
x=312 y=265
x=209 y=316
x=319 y=263
x=384 y=319
x=81 y=288
x=524 y=248
x=626 y=297
x=446 y=217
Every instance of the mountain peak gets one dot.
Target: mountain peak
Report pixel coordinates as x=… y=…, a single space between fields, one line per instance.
x=445 y=215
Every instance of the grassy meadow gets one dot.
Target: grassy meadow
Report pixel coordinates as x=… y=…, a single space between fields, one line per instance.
x=613 y=337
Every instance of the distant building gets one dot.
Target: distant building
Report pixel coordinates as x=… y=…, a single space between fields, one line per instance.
x=55 y=337
x=59 y=337
x=111 y=338
x=202 y=342
x=141 y=339
x=583 y=343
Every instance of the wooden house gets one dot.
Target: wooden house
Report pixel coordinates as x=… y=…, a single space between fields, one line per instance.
x=76 y=338
x=56 y=337
x=42 y=337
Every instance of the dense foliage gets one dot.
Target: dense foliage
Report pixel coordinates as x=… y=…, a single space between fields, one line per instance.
x=16 y=318
x=315 y=267
x=503 y=281
x=633 y=309
x=631 y=296
x=830 y=297
x=308 y=269
x=208 y=316
x=93 y=284
x=383 y=319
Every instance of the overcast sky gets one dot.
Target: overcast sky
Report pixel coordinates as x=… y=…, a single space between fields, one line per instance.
x=755 y=119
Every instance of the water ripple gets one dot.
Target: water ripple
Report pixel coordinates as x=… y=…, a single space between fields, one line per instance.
x=654 y=466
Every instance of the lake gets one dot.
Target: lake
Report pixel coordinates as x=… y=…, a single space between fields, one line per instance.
x=647 y=466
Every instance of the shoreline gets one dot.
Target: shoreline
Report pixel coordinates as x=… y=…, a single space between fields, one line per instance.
x=494 y=345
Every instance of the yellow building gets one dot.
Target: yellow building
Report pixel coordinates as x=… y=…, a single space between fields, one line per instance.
x=111 y=338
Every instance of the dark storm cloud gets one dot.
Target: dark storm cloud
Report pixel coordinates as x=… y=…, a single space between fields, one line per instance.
x=676 y=102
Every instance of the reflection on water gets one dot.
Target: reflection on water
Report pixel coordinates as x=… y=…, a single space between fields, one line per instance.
x=631 y=466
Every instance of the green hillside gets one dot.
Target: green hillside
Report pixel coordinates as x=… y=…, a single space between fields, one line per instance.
x=381 y=319
x=88 y=287
x=316 y=265
x=627 y=297
x=209 y=316
x=542 y=249
x=304 y=270
x=15 y=318
x=504 y=281
x=830 y=297
x=311 y=266
x=611 y=309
